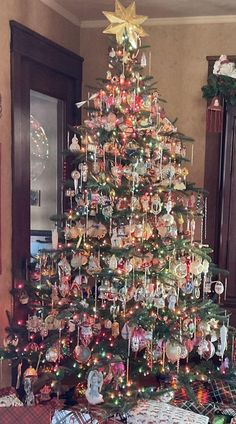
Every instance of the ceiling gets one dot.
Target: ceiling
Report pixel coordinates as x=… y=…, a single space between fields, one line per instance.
x=89 y=10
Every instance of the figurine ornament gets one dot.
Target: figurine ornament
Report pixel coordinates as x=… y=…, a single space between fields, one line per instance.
x=95 y=382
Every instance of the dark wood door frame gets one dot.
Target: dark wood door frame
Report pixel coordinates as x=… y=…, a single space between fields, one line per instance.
x=215 y=182
x=28 y=50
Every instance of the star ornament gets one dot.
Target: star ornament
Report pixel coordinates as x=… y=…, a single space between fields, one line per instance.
x=124 y=21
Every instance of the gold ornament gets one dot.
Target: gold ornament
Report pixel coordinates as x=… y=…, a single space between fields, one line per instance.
x=30 y=372
x=124 y=21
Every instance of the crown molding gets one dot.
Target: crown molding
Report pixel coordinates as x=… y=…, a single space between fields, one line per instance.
x=62 y=11
x=102 y=23
x=221 y=19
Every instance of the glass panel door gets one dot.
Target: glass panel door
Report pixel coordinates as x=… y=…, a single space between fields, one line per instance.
x=45 y=115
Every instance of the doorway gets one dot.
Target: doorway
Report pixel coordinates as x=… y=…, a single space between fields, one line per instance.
x=46 y=84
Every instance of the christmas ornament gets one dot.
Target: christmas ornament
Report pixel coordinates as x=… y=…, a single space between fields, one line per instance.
x=184 y=352
x=93 y=265
x=173 y=351
x=108 y=324
x=23 y=297
x=219 y=287
x=74 y=146
x=223 y=339
x=11 y=340
x=82 y=354
x=115 y=329
x=86 y=333
x=52 y=323
x=75 y=175
x=94 y=387
x=126 y=331
x=143 y=61
x=113 y=263
x=29 y=377
x=52 y=354
x=84 y=172
x=206 y=349
x=34 y=323
x=45 y=393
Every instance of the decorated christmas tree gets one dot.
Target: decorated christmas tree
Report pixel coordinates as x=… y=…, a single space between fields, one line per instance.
x=123 y=307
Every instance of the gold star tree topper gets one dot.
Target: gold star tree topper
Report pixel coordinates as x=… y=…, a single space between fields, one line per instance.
x=124 y=21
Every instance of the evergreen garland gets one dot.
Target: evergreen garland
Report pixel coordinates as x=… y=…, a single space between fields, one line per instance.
x=220 y=85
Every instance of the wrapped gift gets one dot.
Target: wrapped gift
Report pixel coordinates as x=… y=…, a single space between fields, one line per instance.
x=224 y=409
x=97 y=412
x=200 y=391
x=222 y=392
x=152 y=412
x=202 y=409
x=26 y=415
x=9 y=398
x=72 y=417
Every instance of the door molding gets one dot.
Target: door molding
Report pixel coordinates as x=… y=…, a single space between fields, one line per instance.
x=34 y=46
x=29 y=49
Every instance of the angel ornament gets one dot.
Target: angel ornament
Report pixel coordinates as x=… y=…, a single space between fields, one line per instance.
x=95 y=382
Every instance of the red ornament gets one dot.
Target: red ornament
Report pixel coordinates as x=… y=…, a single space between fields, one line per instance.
x=86 y=333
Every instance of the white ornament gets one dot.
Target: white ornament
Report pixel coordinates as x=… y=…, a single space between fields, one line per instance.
x=205 y=265
x=172 y=301
x=112 y=52
x=113 y=263
x=74 y=147
x=143 y=61
x=135 y=344
x=173 y=351
x=75 y=175
x=95 y=382
x=223 y=339
x=219 y=287
x=116 y=241
x=52 y=354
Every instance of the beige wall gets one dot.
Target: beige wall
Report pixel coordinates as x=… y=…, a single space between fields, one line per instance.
x=180 y=68
x=38 y=17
